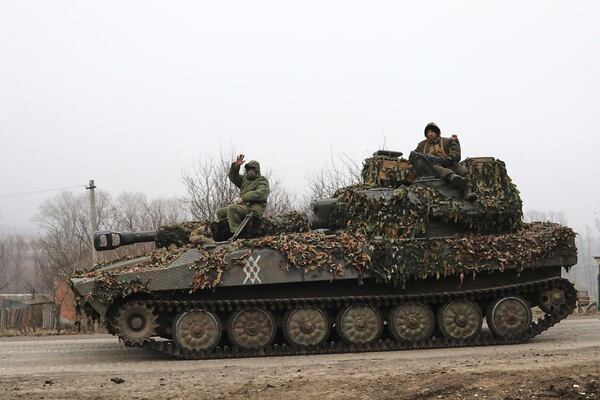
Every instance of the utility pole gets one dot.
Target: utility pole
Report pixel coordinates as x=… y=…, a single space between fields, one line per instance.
x=93 y=217
x=598 y=298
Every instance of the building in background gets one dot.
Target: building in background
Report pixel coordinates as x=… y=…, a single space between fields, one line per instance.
x=27 y=312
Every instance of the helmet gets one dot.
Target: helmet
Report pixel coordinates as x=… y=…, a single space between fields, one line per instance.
x=433 y=127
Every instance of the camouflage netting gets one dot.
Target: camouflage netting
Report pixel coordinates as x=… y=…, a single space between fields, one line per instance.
x=387 y=171
x=395 y=260
x=314 y=251
x=291 y=222
x=107 y=288
x=390 y=260
x=209 y=268
x=178 y=234
x=405 y=212
x=161 y=256
x=497 y=194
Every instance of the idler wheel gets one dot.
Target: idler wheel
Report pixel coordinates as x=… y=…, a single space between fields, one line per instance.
x=553 y=301
x=135 y=322
x=460 y=319
x=509 y=316
x=308 y=326
x=252 y=329
x=359 y=324
x=411 y=322
x=197 y=330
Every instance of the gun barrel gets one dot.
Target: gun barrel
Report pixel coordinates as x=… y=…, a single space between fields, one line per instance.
x=109 y=240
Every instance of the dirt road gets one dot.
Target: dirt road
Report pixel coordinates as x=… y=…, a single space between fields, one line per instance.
x=562 y=363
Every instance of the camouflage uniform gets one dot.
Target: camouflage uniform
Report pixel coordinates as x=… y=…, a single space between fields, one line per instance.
x=447 y=149
x=253 y=192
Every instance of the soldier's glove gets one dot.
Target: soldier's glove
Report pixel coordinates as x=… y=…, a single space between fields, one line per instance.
x=434 y=159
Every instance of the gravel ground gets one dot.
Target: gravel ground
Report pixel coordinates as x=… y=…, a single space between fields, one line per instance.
x=563 y=363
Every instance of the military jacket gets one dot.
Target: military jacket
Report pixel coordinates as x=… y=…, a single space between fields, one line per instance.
x=446 y=148
x=254 y=192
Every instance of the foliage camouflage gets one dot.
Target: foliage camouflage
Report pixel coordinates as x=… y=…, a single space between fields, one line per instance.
x=391 y=260
x=285 y=223
x=497 y=194
x=397 y=260
x=316 y=251
x=178 y=234
x=405 y=212
x=209 y=268
x=386 y=171
x=107 y=288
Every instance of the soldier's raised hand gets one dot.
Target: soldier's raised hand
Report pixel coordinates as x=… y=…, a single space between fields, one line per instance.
x=239 y=160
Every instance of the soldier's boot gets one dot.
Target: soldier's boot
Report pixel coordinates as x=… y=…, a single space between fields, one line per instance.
x=457 y=181
x=468 y=194
x=221 y=231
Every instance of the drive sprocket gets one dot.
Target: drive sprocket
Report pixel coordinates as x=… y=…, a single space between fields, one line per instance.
x=135 y=322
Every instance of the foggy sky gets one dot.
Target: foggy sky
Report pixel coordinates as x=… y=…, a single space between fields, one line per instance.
x=131 y=93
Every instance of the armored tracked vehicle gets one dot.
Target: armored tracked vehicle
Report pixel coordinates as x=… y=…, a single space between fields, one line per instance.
x=399 y=261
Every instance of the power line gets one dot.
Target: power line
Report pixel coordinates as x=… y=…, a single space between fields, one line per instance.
x=4 y=196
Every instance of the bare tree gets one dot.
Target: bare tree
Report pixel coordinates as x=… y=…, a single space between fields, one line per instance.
x=164 y=211
x=126 y=211
x=280 y=199
x=339 y=172
x=558 y=217
x=4 y=261
x=208 y=188
x=67 y=239
x=133 y=212
x=20 y=263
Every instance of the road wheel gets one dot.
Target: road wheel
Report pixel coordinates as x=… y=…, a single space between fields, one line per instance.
x=250 y=329
x=460 y=319
x=197 y=330
x=411 y=322
x=307 y=326
x=135 y=322
x=509 y=316
x=359 y=324
x=553 y=300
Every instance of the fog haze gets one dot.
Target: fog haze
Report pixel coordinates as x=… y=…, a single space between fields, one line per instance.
x=132 y=93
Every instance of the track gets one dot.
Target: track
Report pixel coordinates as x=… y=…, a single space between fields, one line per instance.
x=338 y=346
x=81 y=367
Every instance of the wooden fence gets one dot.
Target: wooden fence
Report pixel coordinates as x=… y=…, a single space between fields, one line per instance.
x=35 y=316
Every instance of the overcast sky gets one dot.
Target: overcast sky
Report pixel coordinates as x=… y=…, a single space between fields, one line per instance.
x=130 y=93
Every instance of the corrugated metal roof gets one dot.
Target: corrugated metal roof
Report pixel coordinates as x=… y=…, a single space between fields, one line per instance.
x=26 y=299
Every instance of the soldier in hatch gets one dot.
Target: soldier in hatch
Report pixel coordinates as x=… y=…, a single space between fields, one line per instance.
x=254 y=191
x=444 y=155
